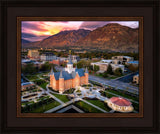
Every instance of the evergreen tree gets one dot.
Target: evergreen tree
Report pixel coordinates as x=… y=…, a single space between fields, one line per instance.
x=118 y=72
x=109 y=69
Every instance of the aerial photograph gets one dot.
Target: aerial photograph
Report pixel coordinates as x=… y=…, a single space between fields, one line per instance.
x=80 y=67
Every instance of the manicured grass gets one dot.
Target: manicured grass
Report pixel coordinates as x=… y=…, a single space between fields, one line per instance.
x=106 y=94
x=61 y=97
x=123 y=95
x=87 y=108
x=43 y=85
x=27 y=103
x=45 y=107
x=31 y=77
x=108 y=77
x=100 y=104
x=41 y=106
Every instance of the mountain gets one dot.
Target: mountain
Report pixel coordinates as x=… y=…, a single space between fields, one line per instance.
x=23 y=41
x=31 y=45
x=64 y=38
x=113 y=37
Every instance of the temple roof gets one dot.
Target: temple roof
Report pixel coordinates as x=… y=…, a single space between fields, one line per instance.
x=70 y=60
x=67 y=76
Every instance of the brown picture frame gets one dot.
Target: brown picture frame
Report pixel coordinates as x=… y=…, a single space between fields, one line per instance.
x=148 y=121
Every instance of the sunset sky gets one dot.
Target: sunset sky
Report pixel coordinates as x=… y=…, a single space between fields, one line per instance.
x=38 y=30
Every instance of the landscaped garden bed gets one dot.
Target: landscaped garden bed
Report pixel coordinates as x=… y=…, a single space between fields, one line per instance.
x=86 y=107
x=41 y=83
x=31 y=77
x=123 y=94
x=40 y=106
x=69 y=91
x=63 y=98
x=28 y=96
x=100 y=104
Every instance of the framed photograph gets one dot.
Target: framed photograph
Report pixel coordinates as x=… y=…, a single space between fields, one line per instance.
x=80 y=65
x=85 y=66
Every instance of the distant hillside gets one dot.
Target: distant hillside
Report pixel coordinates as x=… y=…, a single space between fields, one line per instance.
x=23 y=41
x=64 y=38
x=114 y=37
x=31 y=45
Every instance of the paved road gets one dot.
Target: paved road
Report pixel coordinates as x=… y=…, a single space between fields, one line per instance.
x=115 y=84
x=127 y=78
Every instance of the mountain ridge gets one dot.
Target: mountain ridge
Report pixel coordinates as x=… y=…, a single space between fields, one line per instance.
x=112 y=36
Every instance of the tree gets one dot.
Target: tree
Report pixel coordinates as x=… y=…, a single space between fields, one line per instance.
x=29 y=69
x=133 y=68
x=105 y=74
x=118 y=72
x=45 y=67
x=91 y=67
x=109 y=69
x=96 y=68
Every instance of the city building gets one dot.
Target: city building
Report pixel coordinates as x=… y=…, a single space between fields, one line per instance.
x=112 y=61
x=123 y=59
x=47 y=56
x=103 y=65
x=68 y=78
x=115 y=66
x=33 y=54
x=134 y=63
x=120 y=104
x=136 y=79
x=26 y=85
x=57 y=62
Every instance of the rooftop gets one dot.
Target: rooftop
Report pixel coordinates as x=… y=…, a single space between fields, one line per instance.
x=67 y=75
x=120 y=101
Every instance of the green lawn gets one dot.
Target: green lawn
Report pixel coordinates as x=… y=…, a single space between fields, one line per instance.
x=87 y=108
x=123 y=95
x=41 y=106
x=100 y=104
x=31 y=77
x=28 y=102
x=107 y=94
x=108 y=77
x=43 y=85
x=45 y=107
x=61 y=97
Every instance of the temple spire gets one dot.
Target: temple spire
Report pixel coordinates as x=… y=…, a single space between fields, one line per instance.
x=52 y=72
x=86 y=70
x=70 y=59
x=61 y=76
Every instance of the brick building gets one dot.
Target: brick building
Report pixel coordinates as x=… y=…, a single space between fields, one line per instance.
x=57 y=62
x=68 y=78
x=33 y=54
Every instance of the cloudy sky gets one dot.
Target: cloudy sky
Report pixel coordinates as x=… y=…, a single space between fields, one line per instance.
x=38 y=30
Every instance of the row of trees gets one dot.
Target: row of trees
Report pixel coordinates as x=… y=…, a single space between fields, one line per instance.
x=30 y=68
x=117 y=72
x=107 y=55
